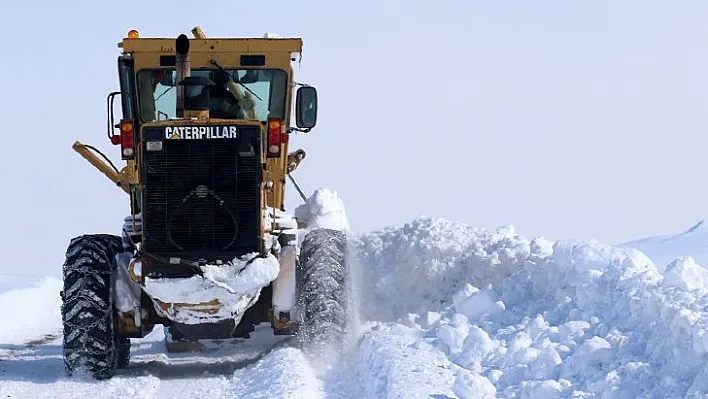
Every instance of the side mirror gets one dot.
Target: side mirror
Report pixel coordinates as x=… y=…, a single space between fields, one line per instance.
x=306 y=107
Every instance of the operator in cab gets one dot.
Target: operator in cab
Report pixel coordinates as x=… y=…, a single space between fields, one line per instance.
x=223 y=103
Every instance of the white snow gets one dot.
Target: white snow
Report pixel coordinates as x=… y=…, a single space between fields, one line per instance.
x=422 y=265
x=127 y=292
x=285 y=373
x=125 y=300
x=469 y=385
x=282 y=220
x=323 y=209
x=242 y=276
x=218 y=281
x=537 y=318
x=686 y=275
x=447 y=310
x=664 y=249
x=32 y=308
x=234 y=286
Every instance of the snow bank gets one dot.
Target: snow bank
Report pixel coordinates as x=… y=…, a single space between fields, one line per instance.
x=534 y=318
x=30 y=312
x=13 y=282
x=323 y=209
x=420 y=266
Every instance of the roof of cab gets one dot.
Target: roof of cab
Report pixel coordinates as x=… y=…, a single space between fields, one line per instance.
x=216 y=45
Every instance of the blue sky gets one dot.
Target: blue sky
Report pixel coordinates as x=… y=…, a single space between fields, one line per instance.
x=565 y=119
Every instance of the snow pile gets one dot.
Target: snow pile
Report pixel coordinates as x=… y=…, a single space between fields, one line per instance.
x=686 y=275
x=29 y=309
x=420 y=266
x=323 y=209
x=393 y=362
x=521 y=318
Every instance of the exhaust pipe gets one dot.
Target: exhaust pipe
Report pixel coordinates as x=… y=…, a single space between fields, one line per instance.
x=184 y=69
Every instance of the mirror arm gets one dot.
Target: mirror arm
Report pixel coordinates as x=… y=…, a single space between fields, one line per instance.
x=296 y=84
x=297 y=129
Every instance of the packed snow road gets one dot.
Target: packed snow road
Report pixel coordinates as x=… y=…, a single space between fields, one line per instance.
x=263 y=367
x=446 y=310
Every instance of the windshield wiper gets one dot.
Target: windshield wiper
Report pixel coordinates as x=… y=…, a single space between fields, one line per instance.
x=163 y=93
x=235 y=80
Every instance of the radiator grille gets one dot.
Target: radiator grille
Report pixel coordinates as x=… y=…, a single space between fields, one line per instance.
x=201 y=197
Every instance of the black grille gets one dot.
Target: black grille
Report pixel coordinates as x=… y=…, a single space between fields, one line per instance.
x=201 y=197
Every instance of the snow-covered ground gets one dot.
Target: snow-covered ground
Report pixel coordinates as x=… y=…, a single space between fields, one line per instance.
x=446 y=310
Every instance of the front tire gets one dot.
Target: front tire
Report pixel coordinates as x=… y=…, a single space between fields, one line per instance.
x=322 y=296
x=91 y=342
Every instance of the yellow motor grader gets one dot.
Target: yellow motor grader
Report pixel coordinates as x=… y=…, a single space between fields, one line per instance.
x=208 y=250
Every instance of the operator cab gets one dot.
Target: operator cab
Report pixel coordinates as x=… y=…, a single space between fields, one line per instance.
x=250 y=94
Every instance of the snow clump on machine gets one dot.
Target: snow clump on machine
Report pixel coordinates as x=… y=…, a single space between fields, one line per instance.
x=323 y=209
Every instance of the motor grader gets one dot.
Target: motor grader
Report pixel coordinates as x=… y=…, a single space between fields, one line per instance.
x=207 y=250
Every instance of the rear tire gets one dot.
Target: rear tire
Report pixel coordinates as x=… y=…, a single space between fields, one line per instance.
x=322 y=296
x=91 y=342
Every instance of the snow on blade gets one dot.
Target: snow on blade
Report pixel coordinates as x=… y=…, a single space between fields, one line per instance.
x=234 y=285
x=242 y=277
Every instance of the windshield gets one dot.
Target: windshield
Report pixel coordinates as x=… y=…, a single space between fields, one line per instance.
x=258 y=94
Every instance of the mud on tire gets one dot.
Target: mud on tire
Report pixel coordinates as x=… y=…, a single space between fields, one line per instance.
x=322 y=296
x=90 y=340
